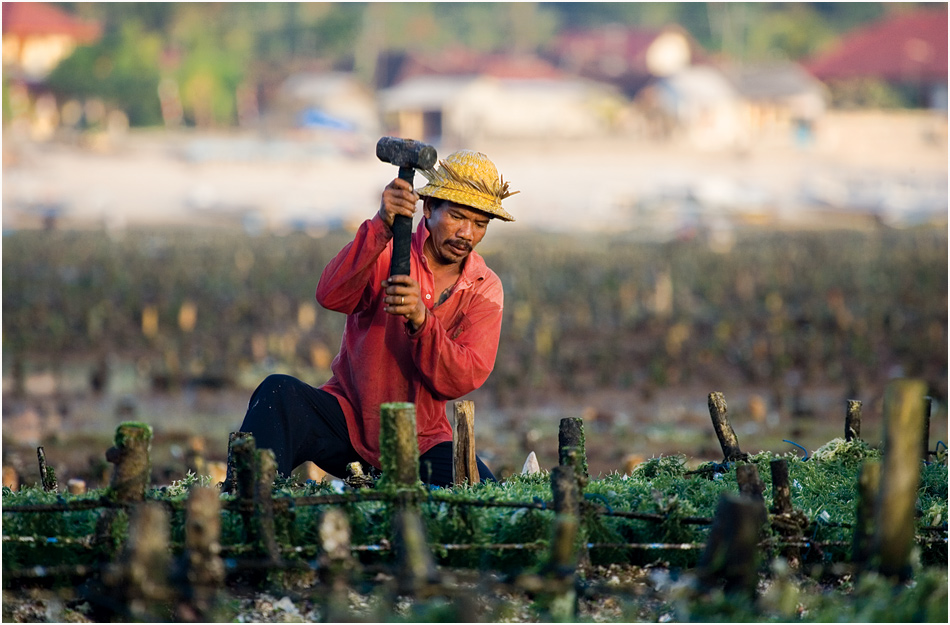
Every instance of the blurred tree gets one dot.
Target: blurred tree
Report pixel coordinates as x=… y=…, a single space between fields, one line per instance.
x=210 y=50
x=122 y=69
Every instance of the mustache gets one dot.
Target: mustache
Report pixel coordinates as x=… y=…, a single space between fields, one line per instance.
x=460 y=244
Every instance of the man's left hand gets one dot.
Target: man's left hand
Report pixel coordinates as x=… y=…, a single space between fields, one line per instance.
x=404 y=298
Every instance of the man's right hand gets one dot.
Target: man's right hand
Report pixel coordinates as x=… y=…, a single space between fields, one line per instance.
x=398 y=199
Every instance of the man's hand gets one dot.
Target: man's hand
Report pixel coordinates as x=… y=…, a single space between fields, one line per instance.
x=398 y=199
x=404 y=298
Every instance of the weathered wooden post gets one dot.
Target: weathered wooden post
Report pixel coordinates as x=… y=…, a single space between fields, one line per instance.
x=731 y=555
x=559 y=600
x=571 y=448
x=337 y=563
x=399 y=460
x=852 y=421
x=927 y=407
x=900 y=476
x=11 y=478
x=869 y=485
x=464 y=467
x=416 y=565
x=567 y=507
x=202 y=567
x=133 y=465
x=786 y=519
x=47 y=475
x=265 y=534
x=230 y=482
x=398 y=445
x=724 y=432
x=75 y=486
x=242 y=460
x=750 y=484
x=139 y=577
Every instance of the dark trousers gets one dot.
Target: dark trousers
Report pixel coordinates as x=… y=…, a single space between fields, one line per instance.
x=299 y=423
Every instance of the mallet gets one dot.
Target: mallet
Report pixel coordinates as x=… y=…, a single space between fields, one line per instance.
x=408 y=155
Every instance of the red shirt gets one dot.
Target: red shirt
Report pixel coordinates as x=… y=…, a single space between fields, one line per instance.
x=380 y=361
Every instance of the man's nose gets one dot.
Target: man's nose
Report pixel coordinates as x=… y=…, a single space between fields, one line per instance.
x=465 y=230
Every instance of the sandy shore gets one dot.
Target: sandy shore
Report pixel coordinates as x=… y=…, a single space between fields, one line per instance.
x=894 y=165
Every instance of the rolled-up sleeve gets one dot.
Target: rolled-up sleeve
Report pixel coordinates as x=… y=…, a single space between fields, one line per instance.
x=345 y=279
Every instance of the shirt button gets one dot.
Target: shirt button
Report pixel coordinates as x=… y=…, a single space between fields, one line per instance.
x=428 y=296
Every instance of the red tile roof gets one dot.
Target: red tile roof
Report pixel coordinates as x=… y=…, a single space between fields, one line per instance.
x=38 y=18
x=904 y=47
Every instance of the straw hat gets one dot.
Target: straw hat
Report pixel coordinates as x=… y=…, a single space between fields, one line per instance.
x=467 y=177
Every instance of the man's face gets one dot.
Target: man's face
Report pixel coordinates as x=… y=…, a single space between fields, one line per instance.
x=455 y=230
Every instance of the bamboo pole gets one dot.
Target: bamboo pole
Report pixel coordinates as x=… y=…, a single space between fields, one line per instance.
x=398 y=445
x=852 y=421
x=47 y=475
x=900 y=478
x=133 y=466
x=731 y=555
x=571 y=447
x=724 y=432
x=464 y=467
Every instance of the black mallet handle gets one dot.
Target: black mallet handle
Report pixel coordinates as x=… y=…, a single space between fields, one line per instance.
x=402 y=233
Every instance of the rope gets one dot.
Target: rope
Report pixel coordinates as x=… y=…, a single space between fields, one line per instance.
x=799 y=446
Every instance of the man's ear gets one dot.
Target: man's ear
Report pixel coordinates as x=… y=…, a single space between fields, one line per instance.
x=426 y=206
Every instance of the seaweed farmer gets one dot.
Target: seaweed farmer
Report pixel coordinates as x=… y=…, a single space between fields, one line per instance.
x=426 y=338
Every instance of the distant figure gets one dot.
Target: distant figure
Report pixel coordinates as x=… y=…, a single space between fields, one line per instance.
x=424 y=338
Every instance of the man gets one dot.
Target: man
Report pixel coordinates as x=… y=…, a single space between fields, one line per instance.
x=424 y=338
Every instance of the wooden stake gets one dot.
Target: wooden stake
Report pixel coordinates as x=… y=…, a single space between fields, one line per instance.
x=337 y=563
x=398 y=445
x=133 y=466
x=785 y=519
x=731 y=554
x=47 y=475
x=927 y=406
x=264 y=525
x=869 y=485
x=204 y=573
x=852 y=421
x=11 y=479
x=564 y=545
x=464 y=467
x=903 y=433
x=571 y=447
x=416 y=564
x=230 y=484
x=750 y=484
x=724 y=432
x=139 y=577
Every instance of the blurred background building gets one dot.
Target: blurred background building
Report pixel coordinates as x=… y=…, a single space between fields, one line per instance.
x=304 y=82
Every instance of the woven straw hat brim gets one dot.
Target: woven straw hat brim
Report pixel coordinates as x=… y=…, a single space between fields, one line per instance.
x=467 y=197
